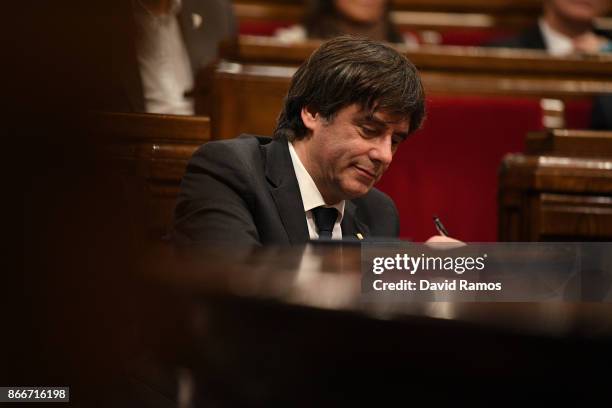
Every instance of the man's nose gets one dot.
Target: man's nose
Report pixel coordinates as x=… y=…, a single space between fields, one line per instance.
x=382 y=151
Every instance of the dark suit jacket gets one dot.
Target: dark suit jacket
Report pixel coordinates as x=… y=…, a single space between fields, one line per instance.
x=245 y=190
x=601 y=117
x=532 y=38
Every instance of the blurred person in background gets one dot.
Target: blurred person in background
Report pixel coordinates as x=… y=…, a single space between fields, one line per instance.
x=566 y=27
x=127 y=56
x=330 y=18
x=174 y=39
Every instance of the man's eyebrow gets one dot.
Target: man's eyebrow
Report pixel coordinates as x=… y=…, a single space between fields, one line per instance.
x=373 y=120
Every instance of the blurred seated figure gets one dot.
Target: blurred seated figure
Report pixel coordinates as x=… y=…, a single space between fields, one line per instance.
x=601 y=118
x=120 y=55
x=330 y=18
x=173 y=39
x=566 y=27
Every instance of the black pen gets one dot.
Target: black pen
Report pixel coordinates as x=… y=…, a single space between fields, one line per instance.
x=439 y=226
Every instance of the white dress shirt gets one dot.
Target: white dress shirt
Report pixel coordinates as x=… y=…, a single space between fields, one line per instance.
x=556 y=43
x=163 y=61
x=312 y=198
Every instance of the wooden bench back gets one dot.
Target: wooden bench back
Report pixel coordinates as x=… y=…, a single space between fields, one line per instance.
x=250 y=84
x=151 y=152
x=559 y=190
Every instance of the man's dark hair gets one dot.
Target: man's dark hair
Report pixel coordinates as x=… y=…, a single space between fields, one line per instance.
x=346 y=71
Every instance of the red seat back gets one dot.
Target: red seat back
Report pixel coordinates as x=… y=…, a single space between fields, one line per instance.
x=450 y=167
x=578 y=113
x=265 y=28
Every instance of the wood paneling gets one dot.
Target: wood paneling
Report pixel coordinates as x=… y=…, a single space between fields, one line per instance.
x=261 y=50
x=250 y=84
x=150 y=152
x=551 y=194
x=571 y=143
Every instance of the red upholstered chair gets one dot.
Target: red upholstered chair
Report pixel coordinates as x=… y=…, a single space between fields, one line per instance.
x=457 y=36
x=450 y=167
x=578 y=113
x=265 y=28
x=467 y=37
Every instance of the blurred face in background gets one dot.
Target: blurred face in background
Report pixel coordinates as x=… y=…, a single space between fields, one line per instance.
x=362 y=11
x=583 y=11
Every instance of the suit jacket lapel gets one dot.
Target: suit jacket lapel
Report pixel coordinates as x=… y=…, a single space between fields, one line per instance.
x=285 y=190
x=190 y=35
x=204 y=24
x=351 y=224
x=534 y=38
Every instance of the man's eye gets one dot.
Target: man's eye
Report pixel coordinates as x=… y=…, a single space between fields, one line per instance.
x=369 y=131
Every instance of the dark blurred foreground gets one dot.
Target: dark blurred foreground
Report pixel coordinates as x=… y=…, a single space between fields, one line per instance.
x=127 y=322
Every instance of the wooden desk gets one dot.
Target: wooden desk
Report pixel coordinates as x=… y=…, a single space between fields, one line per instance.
x=280 y=321
x=561 y=189
x=151 y=152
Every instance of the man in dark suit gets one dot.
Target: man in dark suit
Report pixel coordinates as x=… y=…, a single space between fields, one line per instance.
x=567 y=26
x=347 y=110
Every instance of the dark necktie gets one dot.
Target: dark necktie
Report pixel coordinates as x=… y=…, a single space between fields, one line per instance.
x=325 y=218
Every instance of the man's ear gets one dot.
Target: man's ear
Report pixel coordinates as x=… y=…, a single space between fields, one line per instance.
x=309 y=117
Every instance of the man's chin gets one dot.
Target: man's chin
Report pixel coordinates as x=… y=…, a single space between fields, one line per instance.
x=356 y=191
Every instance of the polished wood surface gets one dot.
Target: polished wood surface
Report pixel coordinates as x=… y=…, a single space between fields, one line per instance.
x=561 y=189
x=255 y=75
x=573 y=143
x=252 y=95
x=286 y=320
x=151 y=151
x=261 y=50
x=328 y=276
x=149 y=127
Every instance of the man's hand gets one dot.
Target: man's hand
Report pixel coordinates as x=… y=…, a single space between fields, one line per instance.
x=445 y=242
x=589 y=43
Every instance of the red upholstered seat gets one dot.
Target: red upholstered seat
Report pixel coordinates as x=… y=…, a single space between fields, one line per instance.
x=458 y=36
x=263 y=28
x=578 y=113
x=450 y=167
x=472 y=37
